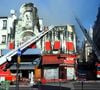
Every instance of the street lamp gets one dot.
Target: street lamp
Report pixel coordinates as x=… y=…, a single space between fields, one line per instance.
x=17 y=68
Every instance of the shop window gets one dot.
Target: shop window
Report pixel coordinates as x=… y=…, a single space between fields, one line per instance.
x=70 y=36
x=57 y=35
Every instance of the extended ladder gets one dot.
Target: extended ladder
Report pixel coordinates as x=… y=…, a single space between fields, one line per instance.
x=8 y=56
x=95 y=48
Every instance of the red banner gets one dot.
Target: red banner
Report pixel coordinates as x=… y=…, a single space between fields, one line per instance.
x=57 y=45
x=70 y=46
x=47 y=45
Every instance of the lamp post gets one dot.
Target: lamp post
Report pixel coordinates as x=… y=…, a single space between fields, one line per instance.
x=17 y=68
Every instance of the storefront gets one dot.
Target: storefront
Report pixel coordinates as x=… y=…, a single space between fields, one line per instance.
x=55 y=67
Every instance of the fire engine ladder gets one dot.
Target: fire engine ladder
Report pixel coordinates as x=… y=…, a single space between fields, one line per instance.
x=95 y=48
x=8 y=56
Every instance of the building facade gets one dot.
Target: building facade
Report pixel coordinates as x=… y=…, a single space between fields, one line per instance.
x=55 y=52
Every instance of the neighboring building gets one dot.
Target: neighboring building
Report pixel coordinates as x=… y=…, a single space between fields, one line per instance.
x=16 y=31
x=6 y=29
x=96 y=31
x=96 y=39
x=3 y=32
x=55 y=52
x=96 y=28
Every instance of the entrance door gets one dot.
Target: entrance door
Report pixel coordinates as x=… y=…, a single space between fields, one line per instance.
x=62 y=72
x=25 y=73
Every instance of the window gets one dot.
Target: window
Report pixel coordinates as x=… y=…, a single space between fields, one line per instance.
x=3 y=38
x=4 y=24
x=70 y=36
x=57 y=35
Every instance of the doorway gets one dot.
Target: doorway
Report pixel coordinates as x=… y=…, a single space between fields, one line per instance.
x=62 y=72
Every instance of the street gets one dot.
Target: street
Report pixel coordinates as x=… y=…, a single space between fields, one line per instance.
x=40 y=87
x=70 y=85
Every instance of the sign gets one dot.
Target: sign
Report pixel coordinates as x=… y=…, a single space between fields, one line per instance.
x=19 y=52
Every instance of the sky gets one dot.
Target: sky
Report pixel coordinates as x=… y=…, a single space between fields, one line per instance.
x=58 y=12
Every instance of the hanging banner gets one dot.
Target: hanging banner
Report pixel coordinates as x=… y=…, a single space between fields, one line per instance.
x=47 y=45
x=57 y=45
x=70 y=46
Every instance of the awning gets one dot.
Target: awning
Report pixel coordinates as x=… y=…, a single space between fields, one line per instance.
x=29 y=51
x=24 y=66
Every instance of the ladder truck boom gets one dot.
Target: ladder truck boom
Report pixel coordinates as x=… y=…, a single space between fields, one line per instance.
x=9 y=55
x=95 y=48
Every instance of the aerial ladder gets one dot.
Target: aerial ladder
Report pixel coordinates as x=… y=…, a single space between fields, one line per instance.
x=84 y=30
x=8 y=57
x=94 y=47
